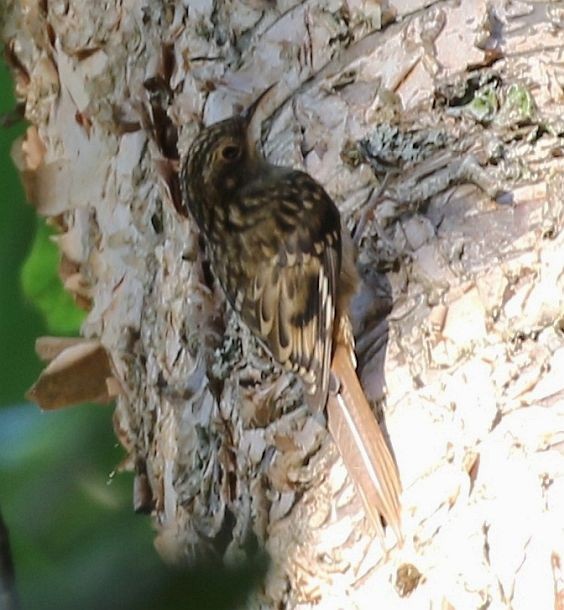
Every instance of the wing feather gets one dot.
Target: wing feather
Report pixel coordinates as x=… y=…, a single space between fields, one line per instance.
x=289 y=300
x=291 y=308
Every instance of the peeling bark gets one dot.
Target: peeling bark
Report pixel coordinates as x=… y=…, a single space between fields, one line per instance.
x=460 y=105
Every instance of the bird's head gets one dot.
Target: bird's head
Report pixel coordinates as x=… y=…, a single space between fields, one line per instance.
x=221 y=159
x=216 y=159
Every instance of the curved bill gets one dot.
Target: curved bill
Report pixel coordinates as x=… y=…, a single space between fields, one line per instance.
x=250 y=111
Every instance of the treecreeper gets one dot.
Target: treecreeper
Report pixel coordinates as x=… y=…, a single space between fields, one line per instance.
x=275 y=243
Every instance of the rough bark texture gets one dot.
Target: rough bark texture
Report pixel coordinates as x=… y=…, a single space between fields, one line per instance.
x=465 y=245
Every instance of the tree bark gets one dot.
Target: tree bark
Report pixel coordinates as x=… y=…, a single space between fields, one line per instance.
x=459 y=105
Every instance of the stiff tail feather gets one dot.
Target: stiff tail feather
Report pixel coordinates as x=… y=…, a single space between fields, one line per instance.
x=362 y=446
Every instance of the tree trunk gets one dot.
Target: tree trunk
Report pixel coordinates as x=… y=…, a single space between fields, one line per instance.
x=459 y=105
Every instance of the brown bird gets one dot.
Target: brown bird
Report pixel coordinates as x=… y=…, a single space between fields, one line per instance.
x=275 y=243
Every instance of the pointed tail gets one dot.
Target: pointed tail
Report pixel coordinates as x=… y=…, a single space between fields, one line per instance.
x=362 y=446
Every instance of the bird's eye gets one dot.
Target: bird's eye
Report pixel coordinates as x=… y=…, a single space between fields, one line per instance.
x=230 y=152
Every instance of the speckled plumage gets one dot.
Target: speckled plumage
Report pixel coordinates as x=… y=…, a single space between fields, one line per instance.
x=273 y=237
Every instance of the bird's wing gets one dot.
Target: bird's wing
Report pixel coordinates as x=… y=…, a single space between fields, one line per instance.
x=294 y=309
x=289 y=299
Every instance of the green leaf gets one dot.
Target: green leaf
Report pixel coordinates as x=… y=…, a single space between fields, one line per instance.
x=42 y=285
